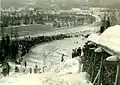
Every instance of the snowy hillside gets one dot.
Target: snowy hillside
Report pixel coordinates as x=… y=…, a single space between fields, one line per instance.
x=47 y=79
x=48 y=58
x=56 y=72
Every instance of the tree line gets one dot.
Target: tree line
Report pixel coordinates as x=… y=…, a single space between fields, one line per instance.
x=15 y=49
x=56 y=20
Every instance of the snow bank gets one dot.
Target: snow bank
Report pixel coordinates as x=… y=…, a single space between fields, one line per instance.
x=68 y=75
x=47 y=79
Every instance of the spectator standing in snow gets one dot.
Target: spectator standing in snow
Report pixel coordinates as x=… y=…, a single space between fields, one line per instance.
x=30 y=70
x=6 y=69
x=102 y=28
x=73 y=53
x=79 y=51
x=39 y=70
x=43 y=69
x=25 y=64
x=35 y=69
x=23 y=70
x=16 y=69
x=4 y=72
x=62 y=58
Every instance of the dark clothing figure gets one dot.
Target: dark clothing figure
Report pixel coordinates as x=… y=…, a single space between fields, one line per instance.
x=102 y=28
x=79 y=51
x=74 y=53
x=35 y=70
x=16 y=69
x=23 y=70
x=6 y=69
x=62 y=58
x=30 y=70
x=25 y=64
x=43 y=69
x=36 y=66
x=39 y=70
x=107 y=24
x=7 y=39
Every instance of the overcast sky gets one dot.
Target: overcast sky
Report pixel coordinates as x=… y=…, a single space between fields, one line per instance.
x=40 y=2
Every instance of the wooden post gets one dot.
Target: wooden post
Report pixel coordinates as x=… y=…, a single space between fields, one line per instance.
x=96 y=77
x=116 y=61
x=11 y=29
x=100 y=75
x=117 y=80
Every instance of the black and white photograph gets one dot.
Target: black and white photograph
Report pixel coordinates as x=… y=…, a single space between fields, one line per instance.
x=59 y=42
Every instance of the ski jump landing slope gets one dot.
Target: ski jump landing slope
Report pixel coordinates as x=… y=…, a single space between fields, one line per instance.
x=47 y=79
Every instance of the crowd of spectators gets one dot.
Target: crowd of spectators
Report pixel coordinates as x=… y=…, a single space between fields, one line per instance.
x=12 y=49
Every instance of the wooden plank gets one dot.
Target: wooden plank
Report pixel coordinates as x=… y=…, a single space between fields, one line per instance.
x=117 y=80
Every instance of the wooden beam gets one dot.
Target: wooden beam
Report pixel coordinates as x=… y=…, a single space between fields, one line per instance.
x=117 y=80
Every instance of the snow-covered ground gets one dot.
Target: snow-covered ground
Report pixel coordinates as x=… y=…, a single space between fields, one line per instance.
x=56 y=72
x=46 y=79
x=49 y=56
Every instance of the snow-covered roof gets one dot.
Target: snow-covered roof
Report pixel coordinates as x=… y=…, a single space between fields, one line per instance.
x=109 y=40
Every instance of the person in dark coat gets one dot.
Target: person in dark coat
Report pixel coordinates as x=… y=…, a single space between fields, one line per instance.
x=25 y=64
x=79 y=51
x=62 y=58
x=102 y=28
x=6 y=69
x=35 y=69
x=30 y=70
x=16 y=69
